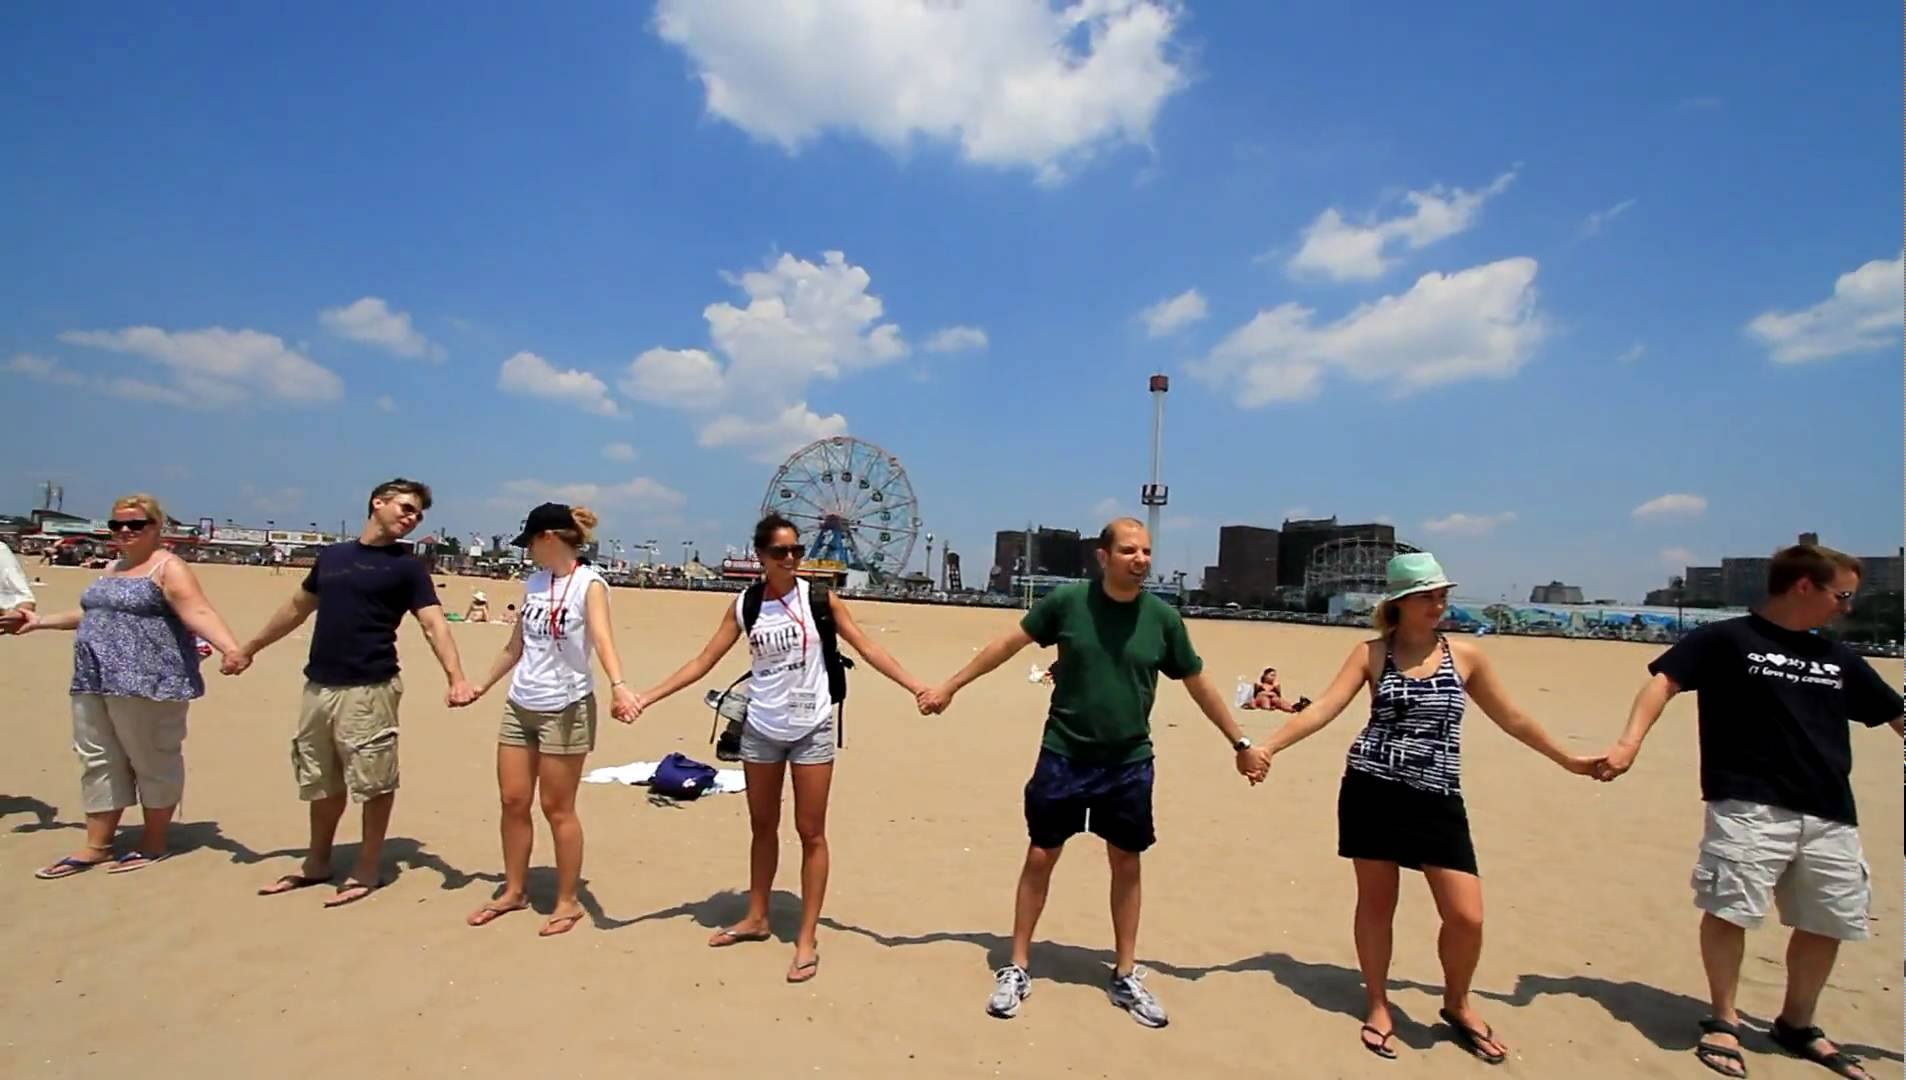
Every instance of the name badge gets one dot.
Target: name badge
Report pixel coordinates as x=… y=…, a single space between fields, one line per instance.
x=801 y=701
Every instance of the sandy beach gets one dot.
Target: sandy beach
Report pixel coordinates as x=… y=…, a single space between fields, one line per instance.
x=1590 y=967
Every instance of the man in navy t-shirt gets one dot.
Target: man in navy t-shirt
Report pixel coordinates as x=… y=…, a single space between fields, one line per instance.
x=1774 y=704
x=346 y=745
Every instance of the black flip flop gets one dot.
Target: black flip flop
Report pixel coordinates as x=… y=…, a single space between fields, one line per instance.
x=1799 y=1042
x=1472 y=1040
x=292 y=883
x=1710 y=1055
x=1381 y=1047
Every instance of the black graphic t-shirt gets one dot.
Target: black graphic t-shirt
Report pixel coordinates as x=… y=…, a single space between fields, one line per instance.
x=363 y=592
x=1774 y=705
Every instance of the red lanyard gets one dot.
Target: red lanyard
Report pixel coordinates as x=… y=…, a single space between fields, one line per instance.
x=556 y=606
x=798 y=621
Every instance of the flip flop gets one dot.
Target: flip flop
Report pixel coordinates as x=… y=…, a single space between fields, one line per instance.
x=489 y=913
x=292 y=883
x=1472 y=1040
x=136 y=860
x=725 y=938
x=802 y=972
x=565 y=922
x=67 y=867
x=1721 y=1059
x=1799 y=1041
x=1381 y=1047
x=351 y=892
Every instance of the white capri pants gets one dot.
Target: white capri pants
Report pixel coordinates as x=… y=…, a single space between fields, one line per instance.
x=131 y=750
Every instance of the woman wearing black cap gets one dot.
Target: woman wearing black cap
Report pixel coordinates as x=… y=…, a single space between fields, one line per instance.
x=549 y=719
x=790 y=725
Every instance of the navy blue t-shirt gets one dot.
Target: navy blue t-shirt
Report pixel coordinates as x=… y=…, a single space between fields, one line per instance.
x=363 y=593
x=1773 y=707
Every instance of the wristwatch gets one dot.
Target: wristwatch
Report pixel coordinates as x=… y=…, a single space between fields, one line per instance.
x=1243 y=744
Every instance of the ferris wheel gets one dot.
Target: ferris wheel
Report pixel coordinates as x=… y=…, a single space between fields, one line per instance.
x=852 y=501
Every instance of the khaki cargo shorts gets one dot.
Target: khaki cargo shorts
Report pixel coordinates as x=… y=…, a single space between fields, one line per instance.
x=347 y=741
x=1809 y=868
x=568 y=730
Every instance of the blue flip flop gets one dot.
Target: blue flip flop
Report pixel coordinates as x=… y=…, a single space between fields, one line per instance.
x=67 y=867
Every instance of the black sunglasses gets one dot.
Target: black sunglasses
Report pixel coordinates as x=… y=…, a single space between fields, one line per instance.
x=782 y=551
x=127 y=524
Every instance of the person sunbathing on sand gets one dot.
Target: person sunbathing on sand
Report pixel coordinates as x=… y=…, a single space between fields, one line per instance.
x=1269 y=694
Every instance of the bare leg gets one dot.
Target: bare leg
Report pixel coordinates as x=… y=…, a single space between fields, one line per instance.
x=152 y=838
x=812 y=785
x=1722 y=946
x=516 y=790
x=1377 y=886
x=1810 y=960
x=561 y=774
x=1459 y=901
x=370 y=855
x=325 y=815
x=1126 y=895
x=764 y=848
x=1035 y=878
x=100 y=828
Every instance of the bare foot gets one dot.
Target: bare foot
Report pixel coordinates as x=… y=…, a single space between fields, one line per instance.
x=303 y=879
x=562 y=920
x=495 y=909
x=745 y=930
x=807 y=964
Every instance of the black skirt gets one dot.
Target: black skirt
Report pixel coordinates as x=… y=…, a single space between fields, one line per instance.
x=1390 y=821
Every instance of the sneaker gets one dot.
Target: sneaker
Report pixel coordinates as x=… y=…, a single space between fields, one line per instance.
x=1128 y=992
x=1011 y=985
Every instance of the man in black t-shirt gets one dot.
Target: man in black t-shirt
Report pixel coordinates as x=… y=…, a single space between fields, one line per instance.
x=346 y=743
x=1774 y=702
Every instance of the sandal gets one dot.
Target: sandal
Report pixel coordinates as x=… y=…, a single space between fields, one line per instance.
x=1799 y=1042
x=67 y=867
x=490 y=912
x=1472 y=1039
x=561 y=924
x=725 y=938
x=805 y=970
x=292 y=883
x=1381 y=1047
x=136 y=860
x=350 y=893
x=1722 y=1059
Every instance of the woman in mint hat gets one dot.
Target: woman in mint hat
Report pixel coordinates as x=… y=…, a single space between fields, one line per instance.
x=1401 y=803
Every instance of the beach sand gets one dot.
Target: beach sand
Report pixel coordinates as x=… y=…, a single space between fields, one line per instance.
x=1590 y=967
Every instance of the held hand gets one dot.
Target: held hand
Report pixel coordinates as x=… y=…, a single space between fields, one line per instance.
x=1584 y=766
x=627 y=705
x=934 y=700
x=22 y=621
x=234 y=663
x=1616 y=761
x=1254 y=763
x=461 y=693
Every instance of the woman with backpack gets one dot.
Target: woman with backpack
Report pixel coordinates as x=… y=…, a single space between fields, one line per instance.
x=790 y=626
x=549 y=719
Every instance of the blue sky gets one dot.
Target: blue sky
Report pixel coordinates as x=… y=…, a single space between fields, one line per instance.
x=1563 y=292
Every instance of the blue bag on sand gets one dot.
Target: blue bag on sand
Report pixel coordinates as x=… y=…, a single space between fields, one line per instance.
x=680 y=777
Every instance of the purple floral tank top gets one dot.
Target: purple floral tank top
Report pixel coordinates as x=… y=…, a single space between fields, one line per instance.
x=132 y=644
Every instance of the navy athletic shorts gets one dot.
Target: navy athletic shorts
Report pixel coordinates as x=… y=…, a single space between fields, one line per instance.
x=1065 y=798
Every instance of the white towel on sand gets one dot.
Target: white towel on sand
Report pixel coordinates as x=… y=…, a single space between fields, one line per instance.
x=727 y=781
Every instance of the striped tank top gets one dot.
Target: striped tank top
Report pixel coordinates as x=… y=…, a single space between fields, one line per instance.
x=1415 y=733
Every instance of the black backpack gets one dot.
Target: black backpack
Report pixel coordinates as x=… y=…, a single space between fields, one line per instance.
x=728 y=744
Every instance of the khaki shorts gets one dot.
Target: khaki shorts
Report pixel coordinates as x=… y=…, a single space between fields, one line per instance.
x=1809 y=868
x=569 y=730
x=130 y=750
x=347 y=741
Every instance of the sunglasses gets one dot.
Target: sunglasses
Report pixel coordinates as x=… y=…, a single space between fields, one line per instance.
x=409 y=510
x=127 y=524
x=782 y=551
x=1842 y=596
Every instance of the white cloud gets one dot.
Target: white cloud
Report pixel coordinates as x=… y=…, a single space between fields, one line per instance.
x=1460 y=524
x=619 y=451
x=1673 y=504
x=1167 y=315
x=1864 y=313
x=50 y=371
x=803 y=321
x=1595 y=222
x=1014 y=84
x=1341 y=250
x=385 y=403
x=1677 y=558
x=1477 y=323
x=774 y=437
x=44 y=369
x=531 y=375
x=1632 y=353
x=641 y=493
x=370 y=321
x=214 y=367
x=955 y=339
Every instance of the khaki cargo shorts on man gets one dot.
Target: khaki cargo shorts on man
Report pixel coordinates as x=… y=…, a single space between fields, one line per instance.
x=1810 y=868
x=347 y=741
x=568 y=730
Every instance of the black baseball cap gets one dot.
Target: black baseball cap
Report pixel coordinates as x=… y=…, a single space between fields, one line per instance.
x=542 y=519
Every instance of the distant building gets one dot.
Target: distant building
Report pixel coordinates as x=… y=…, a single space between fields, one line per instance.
x=1247 y=564
x=1744 y=580
x=1055 y=552
x=1555 y=593
x=1300 y=537
x=1882 y=573
x=1701 y=586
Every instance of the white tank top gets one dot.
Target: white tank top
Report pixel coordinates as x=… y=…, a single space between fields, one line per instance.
x=787 y=685
x=554 y=671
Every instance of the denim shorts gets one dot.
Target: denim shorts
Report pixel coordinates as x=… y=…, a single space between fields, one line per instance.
x=1065 y=798
x=814 y=748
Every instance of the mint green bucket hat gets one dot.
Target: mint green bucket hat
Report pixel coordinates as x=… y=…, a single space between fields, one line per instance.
x=1414 y=572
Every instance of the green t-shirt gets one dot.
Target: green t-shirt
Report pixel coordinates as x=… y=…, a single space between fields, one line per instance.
x=1110 y=656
